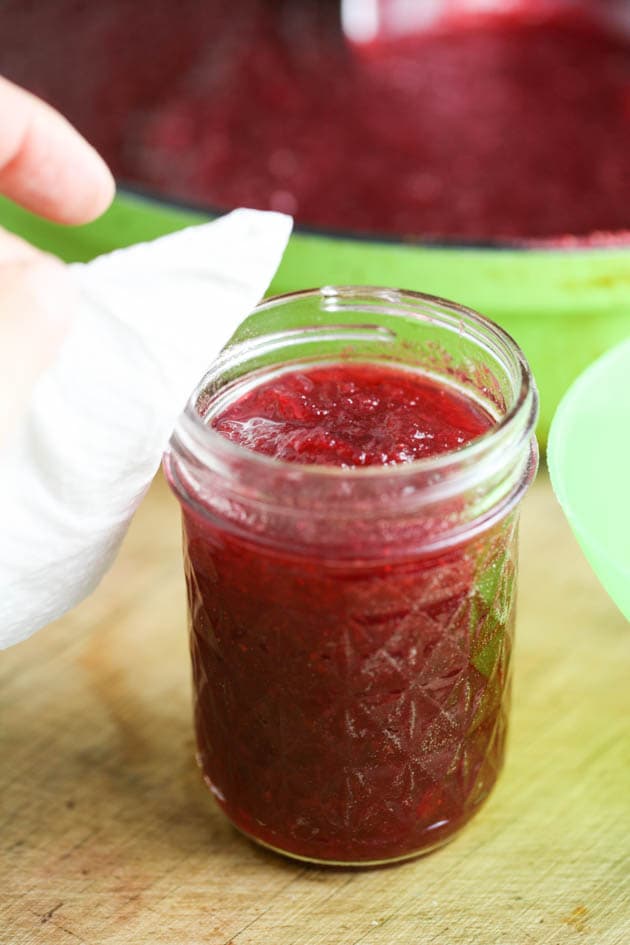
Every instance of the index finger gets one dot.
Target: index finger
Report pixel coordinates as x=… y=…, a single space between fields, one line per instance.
x=45 y=165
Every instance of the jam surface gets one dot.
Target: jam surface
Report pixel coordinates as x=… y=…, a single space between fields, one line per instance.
x=352 y=415
x=509 y=126
x=347 y=711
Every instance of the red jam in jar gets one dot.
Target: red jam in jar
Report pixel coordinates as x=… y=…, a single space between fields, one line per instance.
x=351 y=414
x=349 y=487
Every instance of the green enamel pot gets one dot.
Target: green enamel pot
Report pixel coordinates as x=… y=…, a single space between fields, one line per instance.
x=564 y=306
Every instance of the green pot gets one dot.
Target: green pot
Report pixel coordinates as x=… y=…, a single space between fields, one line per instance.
x=565 y=307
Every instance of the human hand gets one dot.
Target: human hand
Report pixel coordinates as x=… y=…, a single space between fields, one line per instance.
x=48 y=168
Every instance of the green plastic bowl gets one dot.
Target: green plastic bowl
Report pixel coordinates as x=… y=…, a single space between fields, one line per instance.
x=564 y=306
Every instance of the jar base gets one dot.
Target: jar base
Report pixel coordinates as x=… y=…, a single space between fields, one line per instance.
x=316 y=861
x=345 y=864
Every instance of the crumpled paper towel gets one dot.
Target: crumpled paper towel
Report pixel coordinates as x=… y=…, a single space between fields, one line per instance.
x=152 y=319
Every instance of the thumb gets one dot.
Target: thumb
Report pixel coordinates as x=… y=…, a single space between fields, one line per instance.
x=37 y=302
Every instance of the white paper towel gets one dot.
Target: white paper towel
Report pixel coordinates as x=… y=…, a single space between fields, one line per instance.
x=152 y=319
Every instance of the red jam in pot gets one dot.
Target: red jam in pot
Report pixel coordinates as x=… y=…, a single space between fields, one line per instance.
x=513 y=126
x=350 y=521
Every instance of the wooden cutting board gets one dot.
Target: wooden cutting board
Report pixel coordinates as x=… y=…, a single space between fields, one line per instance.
x=109 y=837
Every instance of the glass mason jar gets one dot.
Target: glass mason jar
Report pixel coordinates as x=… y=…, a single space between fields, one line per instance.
x=351 y=628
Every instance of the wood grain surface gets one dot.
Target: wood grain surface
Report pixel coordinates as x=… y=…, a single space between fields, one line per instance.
x=109 y=837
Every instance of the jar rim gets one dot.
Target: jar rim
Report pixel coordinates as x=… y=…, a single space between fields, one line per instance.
x=515 y=426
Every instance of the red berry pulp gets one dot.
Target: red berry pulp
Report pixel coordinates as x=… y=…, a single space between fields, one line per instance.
x=352 y=415
x=349 y=707
x=506 y=126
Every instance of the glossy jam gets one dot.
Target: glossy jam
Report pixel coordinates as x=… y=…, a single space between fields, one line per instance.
x=348 y=708
x=513 y=126
x=352 y=415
